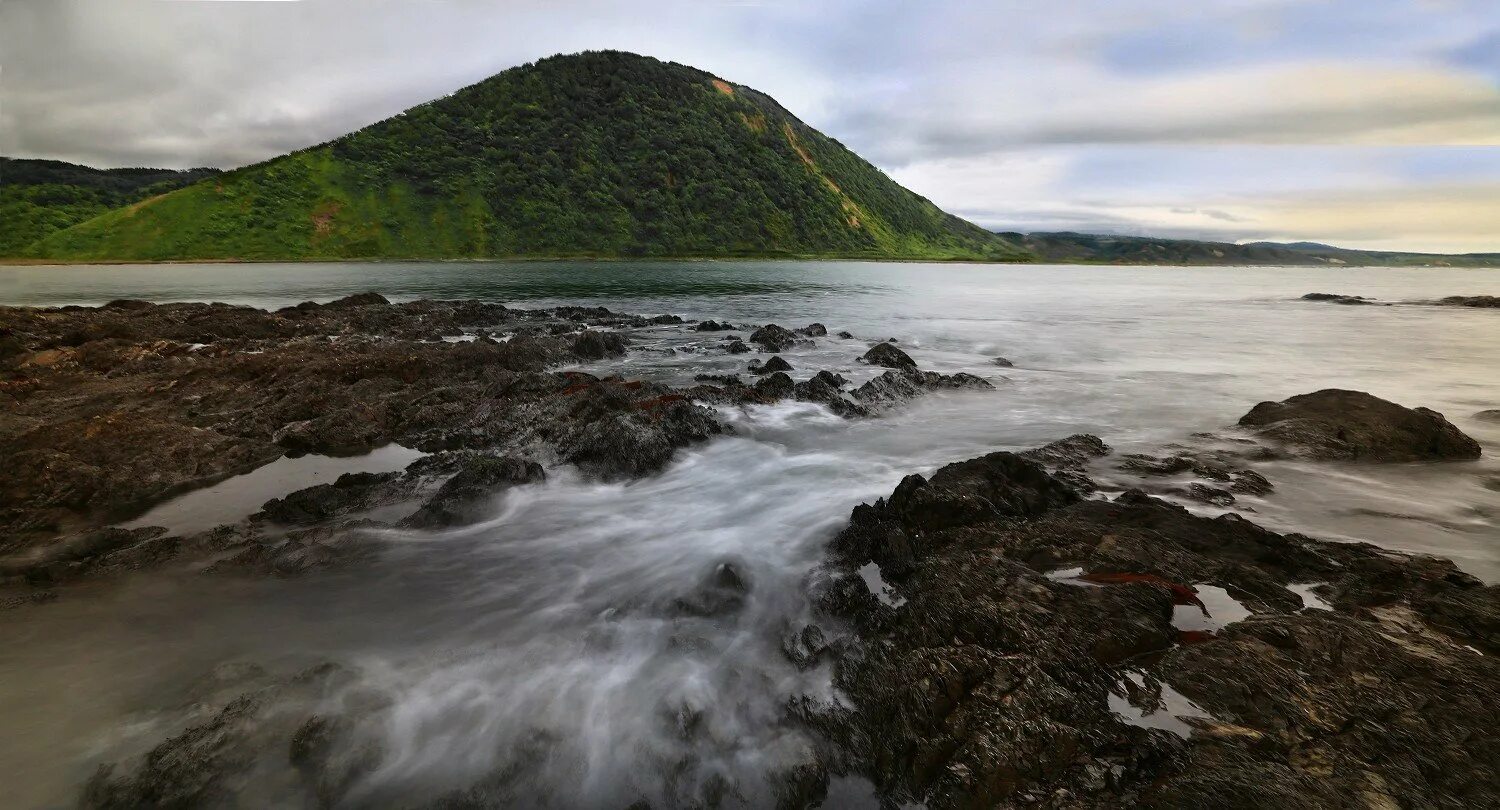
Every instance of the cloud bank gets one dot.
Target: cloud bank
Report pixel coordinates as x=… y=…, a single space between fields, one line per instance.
x=1374 y=123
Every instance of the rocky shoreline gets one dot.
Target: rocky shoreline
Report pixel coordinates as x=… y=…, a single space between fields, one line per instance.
x=1037 y=629
x=112 y=409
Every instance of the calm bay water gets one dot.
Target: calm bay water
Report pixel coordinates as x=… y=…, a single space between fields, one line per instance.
x=547 y=620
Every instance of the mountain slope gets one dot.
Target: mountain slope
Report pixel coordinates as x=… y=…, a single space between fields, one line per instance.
x=1067 y=247
x=594 y=154
x=40 y=197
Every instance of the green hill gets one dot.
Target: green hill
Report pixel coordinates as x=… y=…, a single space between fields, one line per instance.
x=40 y=197
x=594 y=154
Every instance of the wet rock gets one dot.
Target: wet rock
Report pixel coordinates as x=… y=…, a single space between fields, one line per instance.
x=813 y=330
x=364 y=299
x=1335 y=298
x=214 y=761
x=887 y=355
x=722 y=593
x=1212 y=496
x=127 y=412
x=806 y=647
x=596 y=345
x=775 y=386
x=1353 y=425
x=1480 y=301
x=1250 y=482
x=998 y=681
x=1071 y=453
x=714 y=326
x=722 y=379
x=1003 y=363
x=737 y=347
x=298 y=552
x=350 y=492
x=826 y=388
x=459 y=499
x=897 y=386
x=773 y=338
x=846 y=335
x=770 y=366
x=1492 y=415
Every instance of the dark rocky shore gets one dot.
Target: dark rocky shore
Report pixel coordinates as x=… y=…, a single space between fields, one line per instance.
x=109 y=410
x=1027 y=646
x=1039 y=629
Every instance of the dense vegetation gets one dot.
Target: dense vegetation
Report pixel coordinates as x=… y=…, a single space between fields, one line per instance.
x=38 y=197
x=1067 y=247
x=596 y=154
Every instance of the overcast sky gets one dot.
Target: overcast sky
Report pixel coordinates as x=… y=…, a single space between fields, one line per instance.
x=1368 y=123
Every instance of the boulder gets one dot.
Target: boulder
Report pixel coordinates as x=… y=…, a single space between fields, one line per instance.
x=713 y=326
x=770 y=366
x=1353 y=425
x=737 y=347
x=887 y=355
x=773 y=338
x=813 y=330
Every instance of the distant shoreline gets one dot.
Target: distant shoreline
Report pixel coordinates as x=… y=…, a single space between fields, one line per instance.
x=23 y=262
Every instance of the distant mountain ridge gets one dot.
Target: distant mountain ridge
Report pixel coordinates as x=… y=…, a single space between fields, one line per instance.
x=1070 y=247
x=603 y=154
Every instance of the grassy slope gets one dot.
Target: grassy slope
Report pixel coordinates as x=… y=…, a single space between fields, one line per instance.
x=41 y=197
x=600 y=154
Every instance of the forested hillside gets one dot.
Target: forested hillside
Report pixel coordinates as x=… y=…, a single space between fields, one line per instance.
x=595 y=154
x=38 y=197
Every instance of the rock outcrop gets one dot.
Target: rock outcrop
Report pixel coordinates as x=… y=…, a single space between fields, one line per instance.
x=1356 y=426
x=1030 y=648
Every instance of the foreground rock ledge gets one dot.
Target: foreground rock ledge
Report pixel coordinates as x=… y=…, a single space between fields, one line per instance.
x=1018 y=627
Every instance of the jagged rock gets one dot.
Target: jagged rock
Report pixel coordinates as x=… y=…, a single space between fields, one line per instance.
x=1353 y=425
x=1003 y=363
x=596 y=345
x=1032 y=633
x=714 y=326
x=774 y=386
x=813 y=330
x=846 y=335
x=721 y=593
x=737 y=347
x=1071 y=453
x=480 y=477
x=773 y=338
x=770 y=366
x=899 y=385
x=722 y=379
x=350 y=492
x=887 y=355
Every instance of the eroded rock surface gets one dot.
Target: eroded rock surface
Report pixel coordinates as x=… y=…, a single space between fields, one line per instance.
x=1028 y=652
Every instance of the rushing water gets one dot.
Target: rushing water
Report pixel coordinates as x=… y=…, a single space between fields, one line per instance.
x=544 y=638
